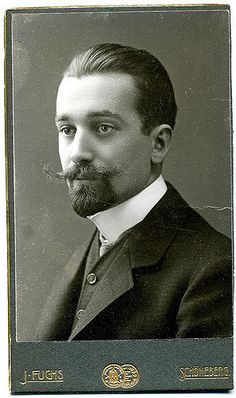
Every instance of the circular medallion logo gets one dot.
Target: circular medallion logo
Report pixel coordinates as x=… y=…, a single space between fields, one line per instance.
x=123 y=376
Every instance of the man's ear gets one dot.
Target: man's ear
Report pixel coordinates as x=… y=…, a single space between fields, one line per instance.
x=161 y=137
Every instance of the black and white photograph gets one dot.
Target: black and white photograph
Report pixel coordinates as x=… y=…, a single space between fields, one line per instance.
x=119 y=157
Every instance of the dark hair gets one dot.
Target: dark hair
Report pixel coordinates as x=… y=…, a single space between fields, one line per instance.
x=155 y=100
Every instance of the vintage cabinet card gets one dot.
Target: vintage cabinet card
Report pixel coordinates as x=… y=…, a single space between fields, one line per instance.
x=119 y=157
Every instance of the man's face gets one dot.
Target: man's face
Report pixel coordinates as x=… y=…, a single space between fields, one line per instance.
x=105 y=157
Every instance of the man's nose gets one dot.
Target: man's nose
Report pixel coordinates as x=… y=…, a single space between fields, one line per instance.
x=81 y=147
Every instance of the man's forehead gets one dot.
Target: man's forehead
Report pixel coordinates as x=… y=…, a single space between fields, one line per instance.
x=100 y=91
x=98 y=82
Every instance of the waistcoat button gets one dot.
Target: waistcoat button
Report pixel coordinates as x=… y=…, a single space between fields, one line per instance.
x=79 y=313
x=91 y=279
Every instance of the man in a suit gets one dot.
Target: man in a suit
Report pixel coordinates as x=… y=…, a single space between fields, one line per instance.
x=153 y=268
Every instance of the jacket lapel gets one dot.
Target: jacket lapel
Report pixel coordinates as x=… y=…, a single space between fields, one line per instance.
x=117 y=280
x=53 y=322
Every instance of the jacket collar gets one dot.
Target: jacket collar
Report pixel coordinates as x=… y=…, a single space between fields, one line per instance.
x=150 y=239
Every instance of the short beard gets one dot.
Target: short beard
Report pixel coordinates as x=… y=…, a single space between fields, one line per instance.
x=93 y=196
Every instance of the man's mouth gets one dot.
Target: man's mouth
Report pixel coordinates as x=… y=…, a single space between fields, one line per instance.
x=83 y=179
x=79 y=181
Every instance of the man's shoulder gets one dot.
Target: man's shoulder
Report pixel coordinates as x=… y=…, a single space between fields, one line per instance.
x=198 y=227
x=172 y=215
x=177 y=211
x=175 y=232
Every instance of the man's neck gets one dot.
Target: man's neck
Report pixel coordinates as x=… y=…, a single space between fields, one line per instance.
x=115 y=221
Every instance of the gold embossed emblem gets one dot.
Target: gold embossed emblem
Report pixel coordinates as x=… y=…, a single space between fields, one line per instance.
x=124 y=376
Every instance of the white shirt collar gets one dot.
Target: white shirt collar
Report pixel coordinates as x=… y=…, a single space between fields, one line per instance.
x=116 y=220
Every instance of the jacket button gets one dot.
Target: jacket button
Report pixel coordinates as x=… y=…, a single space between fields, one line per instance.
x=79 y=313
x=91 y=279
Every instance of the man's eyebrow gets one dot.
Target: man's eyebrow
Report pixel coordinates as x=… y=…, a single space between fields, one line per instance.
x=61 y=118
x=92 y=114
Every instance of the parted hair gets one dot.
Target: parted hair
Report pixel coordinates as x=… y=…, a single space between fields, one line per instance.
x=155 y=99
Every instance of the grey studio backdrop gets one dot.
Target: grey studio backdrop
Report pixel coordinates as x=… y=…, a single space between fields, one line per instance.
x=194 y=48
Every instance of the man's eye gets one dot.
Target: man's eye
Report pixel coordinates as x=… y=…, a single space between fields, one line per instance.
x=105 y=128
x=67 y=130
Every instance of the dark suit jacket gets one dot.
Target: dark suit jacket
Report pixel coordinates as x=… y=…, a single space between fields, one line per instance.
x=169 y=277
